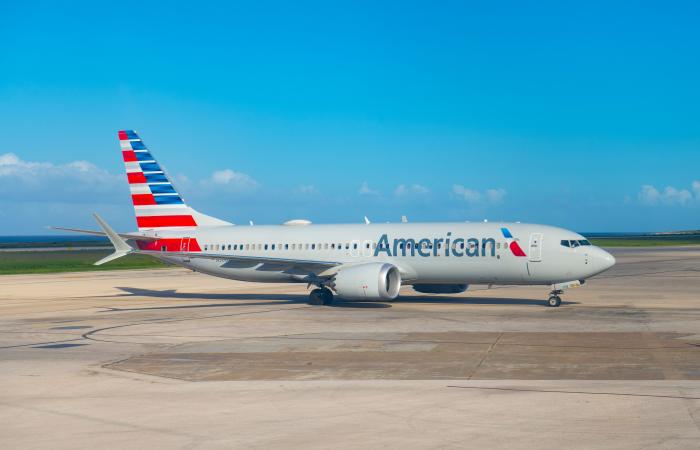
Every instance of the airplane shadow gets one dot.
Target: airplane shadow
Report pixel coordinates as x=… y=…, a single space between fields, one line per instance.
x=262 y=299
x=476 y=300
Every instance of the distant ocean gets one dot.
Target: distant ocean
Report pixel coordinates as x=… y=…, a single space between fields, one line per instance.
x=55 y=241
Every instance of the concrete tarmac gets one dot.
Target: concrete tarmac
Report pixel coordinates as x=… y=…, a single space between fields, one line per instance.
x=174 y=359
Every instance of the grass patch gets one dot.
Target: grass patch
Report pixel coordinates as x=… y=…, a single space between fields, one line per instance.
x=70 y=261
x=642 y=242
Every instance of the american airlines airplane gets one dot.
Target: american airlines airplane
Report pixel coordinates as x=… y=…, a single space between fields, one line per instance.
x=354 y=261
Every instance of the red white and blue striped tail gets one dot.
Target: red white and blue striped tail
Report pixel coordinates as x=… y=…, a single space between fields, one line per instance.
x=156 y=202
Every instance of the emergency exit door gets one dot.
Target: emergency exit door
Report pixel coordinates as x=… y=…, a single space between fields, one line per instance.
x=535 y=253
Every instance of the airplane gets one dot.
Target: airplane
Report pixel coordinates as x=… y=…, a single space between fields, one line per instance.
x=364 y=261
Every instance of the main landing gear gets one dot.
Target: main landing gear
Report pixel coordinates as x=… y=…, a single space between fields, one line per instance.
x=554 y=300
x=322 y=296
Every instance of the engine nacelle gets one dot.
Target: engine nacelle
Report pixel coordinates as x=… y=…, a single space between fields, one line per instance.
x=440 y=288
x=372 y=281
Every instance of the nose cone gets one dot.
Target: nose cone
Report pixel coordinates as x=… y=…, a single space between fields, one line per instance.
x=601 y=260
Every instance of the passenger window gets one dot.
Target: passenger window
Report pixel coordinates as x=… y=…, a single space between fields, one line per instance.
x=313 y=246
x=347 y=246
x=367 y=245
x=273 y=246
x=354 y=246
x=286 y=246
x=205 y=248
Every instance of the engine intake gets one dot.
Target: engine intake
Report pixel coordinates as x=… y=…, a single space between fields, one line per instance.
x=372 y=281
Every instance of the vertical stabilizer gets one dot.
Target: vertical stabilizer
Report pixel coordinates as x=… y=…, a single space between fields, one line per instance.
x=157 y=203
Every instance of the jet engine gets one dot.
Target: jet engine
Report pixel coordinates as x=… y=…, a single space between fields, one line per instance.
x=440 y=288
x=372 y=281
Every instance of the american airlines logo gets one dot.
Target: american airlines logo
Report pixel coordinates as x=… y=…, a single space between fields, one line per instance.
x=447 y=246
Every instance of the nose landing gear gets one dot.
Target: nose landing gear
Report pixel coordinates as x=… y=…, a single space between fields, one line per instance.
x=554 y=300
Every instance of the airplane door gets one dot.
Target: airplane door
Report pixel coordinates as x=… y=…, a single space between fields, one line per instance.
x=535 y=253
x=185 y=244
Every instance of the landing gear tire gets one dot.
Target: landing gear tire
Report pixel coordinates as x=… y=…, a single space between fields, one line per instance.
x=321 y=296
x=554 y=301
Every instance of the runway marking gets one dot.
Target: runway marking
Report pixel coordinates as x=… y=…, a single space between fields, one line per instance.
x=89 y=334
x=554 y=391
x=486 y=355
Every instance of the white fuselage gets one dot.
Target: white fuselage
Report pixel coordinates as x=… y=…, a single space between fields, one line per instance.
x=440 y=253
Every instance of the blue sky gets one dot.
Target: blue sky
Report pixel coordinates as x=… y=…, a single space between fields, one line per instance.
x=579 y=115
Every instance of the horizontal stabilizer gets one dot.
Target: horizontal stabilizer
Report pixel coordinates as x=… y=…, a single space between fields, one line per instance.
x=121 y=248
x=127 y=236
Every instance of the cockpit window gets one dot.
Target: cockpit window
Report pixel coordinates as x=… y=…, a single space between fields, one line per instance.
x=574 y=244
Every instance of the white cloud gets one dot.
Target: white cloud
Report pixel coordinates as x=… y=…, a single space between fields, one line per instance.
x=236 y=181
x=493 y=196
x=74 y=182
x=650 y=195
x=414 y=189
x=366 y=190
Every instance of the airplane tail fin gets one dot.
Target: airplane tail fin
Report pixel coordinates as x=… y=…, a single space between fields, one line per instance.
x=157 y=204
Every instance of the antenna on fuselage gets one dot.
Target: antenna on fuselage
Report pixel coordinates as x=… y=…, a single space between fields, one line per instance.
x=367 y=222
x=251 y=223
x=404 y=219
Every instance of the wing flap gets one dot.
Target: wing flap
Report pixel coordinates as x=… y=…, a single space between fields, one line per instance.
x=250 y=259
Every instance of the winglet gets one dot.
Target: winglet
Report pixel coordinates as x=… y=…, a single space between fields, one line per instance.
x=121 y=248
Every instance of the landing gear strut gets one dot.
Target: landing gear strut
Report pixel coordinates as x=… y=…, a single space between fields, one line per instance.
x=322 y=296
x=554 y=300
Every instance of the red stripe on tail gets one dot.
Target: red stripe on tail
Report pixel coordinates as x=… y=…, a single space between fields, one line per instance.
x=136 y=177
x=171 y=245
x=165 y=221
x=129 y=156
x=143 y=199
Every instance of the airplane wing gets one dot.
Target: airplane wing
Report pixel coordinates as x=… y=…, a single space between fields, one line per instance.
x=305 y=267
x=135 y=237
x=254 y=259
